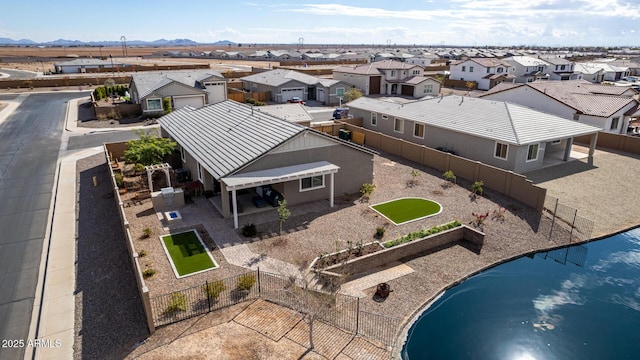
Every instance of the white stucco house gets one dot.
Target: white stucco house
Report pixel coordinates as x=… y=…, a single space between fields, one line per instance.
x=487 y=72
x=527 y=69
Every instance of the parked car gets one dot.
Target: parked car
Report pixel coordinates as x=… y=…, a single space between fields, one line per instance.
x=341 y=113
x=296 y=100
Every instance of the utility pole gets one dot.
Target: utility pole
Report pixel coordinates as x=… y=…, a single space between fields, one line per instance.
x=113 y=73
x=124 y=45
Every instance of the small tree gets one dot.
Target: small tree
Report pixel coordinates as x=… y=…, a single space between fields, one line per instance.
x=366 y=190
x=352 y=94
x=470 y=85
x=476 y=188
x=149 y=149
x=414 y=178
x=166 y=105
x=283 y=213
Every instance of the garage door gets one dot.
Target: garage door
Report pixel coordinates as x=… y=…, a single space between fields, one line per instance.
x=407 y=90
x=293 y=92
x=194 y=101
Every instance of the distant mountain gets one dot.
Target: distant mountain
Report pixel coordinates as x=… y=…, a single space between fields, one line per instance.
x=65 y=42
x=7 y=41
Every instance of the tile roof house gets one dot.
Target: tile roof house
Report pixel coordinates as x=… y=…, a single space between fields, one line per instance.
x=388 y=77
x=233 y=150
x=195 y=88
x=487 y=72
x=607 y=107
x=497 y=133
x=285 y=84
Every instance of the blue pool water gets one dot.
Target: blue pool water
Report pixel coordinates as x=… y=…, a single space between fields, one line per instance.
x=581 y=302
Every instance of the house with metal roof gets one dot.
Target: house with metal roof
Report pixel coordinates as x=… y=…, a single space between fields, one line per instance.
x=81 y=65
x=388 y=77
x=486 y=72
x=286 y=84
x=609 y=72
x=497 y=133
x=291 y=112
x=607 y=107
x=235 y=151
x=195 y=88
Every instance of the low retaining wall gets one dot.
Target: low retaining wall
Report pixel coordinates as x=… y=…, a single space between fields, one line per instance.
x=143 y=290
x=366 y=263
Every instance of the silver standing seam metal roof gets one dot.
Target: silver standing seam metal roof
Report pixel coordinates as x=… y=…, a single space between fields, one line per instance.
x=226 y=136
x=490 y=119
x=148 y=82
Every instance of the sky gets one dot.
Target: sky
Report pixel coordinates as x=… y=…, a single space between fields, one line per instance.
x=406 y=22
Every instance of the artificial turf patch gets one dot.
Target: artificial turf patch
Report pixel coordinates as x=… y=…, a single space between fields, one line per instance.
x=405 y=210
x=187 y=253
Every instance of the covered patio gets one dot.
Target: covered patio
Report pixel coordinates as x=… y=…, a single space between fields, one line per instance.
x=249 y=180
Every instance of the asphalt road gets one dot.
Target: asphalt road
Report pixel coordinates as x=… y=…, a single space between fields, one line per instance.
x=18 y=74
x=29 y=144
x=99 y=138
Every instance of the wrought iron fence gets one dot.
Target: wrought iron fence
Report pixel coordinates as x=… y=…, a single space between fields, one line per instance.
x=566 y=225
x=342 y=311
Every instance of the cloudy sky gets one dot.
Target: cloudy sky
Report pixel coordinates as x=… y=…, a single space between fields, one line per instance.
x=422 y=22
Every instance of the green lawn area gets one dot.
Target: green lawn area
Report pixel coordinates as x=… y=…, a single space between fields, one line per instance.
x=404 y=210
x=187 y=253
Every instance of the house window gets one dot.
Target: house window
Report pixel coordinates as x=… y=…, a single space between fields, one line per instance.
x=464 y=68
x=614 y=123
x=488 y=70
x=183 y=154
x=393 y=73
x=398 y=125
x=532 y=153
x=384 y=117
x=312 y=183
x=416 y=72
x=555 y=142
x=576 y=116
x=374 y=119
x=501 y=151
x=562 y=67
x=200 y=173
x=418 y=130
x=499 y=70
x=154 y=104
x=470 y=68
x=428 y=89
x=340 y=91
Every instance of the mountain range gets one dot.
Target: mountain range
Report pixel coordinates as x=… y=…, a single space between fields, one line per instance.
x=64 y=42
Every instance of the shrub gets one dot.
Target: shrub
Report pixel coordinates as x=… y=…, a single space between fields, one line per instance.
x=476 y=187
x=146 y=233
x=421 y=233
x=449 y=176
x=147 y=273
x=367 y=189
x=119 y=180
x=214 y=289
x=380 y=230
x=142 y=253
x=249 y=230
x=245 y=282
x=177 y=302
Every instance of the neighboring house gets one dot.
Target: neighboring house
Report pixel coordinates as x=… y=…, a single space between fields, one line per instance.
x=604 y=106
x=501 y=134
x=527 y=69
x=291 y=112
x=81 y=65
x=487 y=72
x=232 y=149
x=608 y=72
x=195 y=88
x=285 y=84
x=560 y=68
x=421 y=60
x=388 y=77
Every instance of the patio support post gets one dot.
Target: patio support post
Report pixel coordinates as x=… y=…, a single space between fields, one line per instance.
x=592 y=148
x=567 y=149
x=234 y=201
x=331 y=190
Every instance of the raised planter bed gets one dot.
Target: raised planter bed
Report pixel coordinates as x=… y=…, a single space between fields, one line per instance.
x=352 y=267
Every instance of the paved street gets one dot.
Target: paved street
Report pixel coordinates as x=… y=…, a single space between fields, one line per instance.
x=29 y=145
